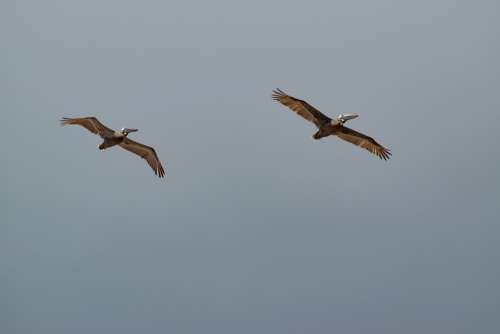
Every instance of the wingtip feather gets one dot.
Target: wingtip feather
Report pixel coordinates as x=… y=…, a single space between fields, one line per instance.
x=277 y=94
x=64 y=121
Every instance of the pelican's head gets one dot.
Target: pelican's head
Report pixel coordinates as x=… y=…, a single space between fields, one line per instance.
x=342 y=118
x=126 y=131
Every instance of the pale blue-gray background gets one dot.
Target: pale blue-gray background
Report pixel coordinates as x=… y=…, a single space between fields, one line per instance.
x=257 y=227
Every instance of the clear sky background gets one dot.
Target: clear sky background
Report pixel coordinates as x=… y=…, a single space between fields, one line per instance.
x=257 y=228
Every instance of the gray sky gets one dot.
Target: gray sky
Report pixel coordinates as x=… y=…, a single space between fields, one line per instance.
x=257 y=227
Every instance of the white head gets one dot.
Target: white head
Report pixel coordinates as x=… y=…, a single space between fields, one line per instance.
x=342 y=118
x=126 y=131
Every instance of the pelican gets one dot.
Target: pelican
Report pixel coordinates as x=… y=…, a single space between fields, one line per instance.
x=327 y=126
x=120 y=138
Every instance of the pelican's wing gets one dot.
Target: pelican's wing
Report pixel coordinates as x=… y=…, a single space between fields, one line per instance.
x=302 y=108
x=363 y=141
x=145 y=152
x=91 y=124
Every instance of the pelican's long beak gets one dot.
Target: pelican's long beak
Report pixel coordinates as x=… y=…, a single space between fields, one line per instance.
x=131 y=130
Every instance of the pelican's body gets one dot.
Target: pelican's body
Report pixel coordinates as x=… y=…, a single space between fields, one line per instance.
x=112 y=138
x=115 y=138
x=331 y=127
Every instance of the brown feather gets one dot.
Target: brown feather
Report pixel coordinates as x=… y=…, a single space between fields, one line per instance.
x=302 y=108
x=363 y=141
x=89 y=123
x=146 y=152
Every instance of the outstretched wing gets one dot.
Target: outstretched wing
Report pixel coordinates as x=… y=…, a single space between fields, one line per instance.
x=363 y=141
x=302 y=108
x=91 y=124
x=146 y=152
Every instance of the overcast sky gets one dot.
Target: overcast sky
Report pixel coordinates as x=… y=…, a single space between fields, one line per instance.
x=257 y=228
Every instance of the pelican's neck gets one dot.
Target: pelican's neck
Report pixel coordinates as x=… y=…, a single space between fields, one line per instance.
x=118 y=134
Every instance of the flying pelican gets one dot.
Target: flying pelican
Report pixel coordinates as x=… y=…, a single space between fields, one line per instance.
x=328 y=126
x=112 y=138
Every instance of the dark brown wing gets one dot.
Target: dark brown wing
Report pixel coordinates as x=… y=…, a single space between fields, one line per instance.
x=302 y=108
x=91 y=124
x=145 y=152
x=363 y=141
